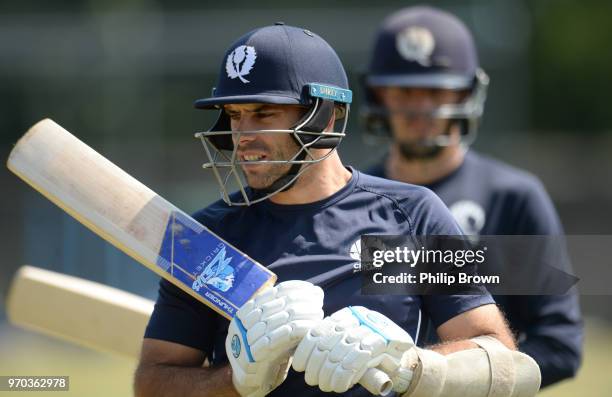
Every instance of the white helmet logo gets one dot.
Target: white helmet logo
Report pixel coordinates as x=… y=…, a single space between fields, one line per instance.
x=415 y=43
x=240 y=62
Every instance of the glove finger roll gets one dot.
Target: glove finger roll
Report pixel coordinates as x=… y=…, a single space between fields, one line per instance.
x=300 y=328
x=245 y=309
x=313 y=368
x=251 y=318
x=276 y=320
x=374 y=343
x=339 y=351
x=356 y=359
x=279 y=336
x=266 y=296
x=341 y=379
x=287 y=287
x=260 y=349
x=325 y=376
x=323 y=327
x=330 y=340
x=304 y=311
x=272 y=307
x=255 y=332
x=303 y=352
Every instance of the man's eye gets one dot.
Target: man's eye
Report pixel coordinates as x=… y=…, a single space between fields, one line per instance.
x=234 y=116
x=264 y=115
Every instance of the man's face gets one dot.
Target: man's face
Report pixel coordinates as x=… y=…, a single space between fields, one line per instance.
x=257 y=147
x=410 y=117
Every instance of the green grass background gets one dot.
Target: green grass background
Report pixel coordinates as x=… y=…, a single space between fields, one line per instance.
x=99 y=374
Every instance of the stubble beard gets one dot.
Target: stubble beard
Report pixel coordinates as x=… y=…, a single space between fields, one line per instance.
x=267 y=174
x=422 y=149
x=417 y=151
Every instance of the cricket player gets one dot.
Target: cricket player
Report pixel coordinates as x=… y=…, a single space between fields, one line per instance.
x=283 y=99
x=426 y=91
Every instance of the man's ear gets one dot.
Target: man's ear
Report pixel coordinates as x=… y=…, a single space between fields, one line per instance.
x=339 y=113
x=330 y=124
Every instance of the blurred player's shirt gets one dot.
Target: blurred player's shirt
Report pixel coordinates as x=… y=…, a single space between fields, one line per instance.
x=488 y=197
x=317 y=242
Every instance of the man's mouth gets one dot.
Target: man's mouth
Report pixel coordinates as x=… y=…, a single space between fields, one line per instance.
x=252 y=157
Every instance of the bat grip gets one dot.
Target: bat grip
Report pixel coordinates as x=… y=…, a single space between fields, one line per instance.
x=376 y=382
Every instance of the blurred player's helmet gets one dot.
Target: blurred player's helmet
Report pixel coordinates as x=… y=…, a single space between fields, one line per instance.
x=423 y=47
x=276 y=65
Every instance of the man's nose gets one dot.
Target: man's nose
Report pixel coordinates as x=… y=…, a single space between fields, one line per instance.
x=245 y=137
x=418 y=99
x=421 y=100
x=242 y=129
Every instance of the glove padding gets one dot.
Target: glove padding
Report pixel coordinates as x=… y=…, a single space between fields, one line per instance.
x=265 y=331
x=340 y=349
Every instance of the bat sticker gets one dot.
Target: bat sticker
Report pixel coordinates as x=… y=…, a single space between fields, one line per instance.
x=208 y=265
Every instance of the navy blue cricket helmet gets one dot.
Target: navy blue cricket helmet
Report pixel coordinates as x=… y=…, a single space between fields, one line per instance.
x=281 y=65
x=425 y=47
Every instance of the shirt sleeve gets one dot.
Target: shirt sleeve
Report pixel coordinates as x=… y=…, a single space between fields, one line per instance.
x=179 y=318
x=550 y=326
x=436 y=219
x=550 y=331
x=432 y=217
x=536 y=214
x=442 y=308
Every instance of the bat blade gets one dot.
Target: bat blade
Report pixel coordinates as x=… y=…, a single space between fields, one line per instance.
x=135 y=219
x=79 y=311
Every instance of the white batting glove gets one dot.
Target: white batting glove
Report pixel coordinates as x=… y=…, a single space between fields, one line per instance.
x=338 y=352
x=265 y=331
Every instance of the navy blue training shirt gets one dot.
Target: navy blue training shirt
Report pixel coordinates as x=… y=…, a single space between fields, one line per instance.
x=313 y=242
x=488 y=197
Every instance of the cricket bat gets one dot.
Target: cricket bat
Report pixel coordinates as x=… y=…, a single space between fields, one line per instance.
x=135 y=219
x=142 y=224
x=79 y=311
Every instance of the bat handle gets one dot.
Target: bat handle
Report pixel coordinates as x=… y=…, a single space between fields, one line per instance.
x=376 y=382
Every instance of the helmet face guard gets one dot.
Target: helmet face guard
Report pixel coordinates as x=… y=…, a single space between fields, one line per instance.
x=425 y=47
x=308 y=134
x=278 y=65
x=466 y=113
